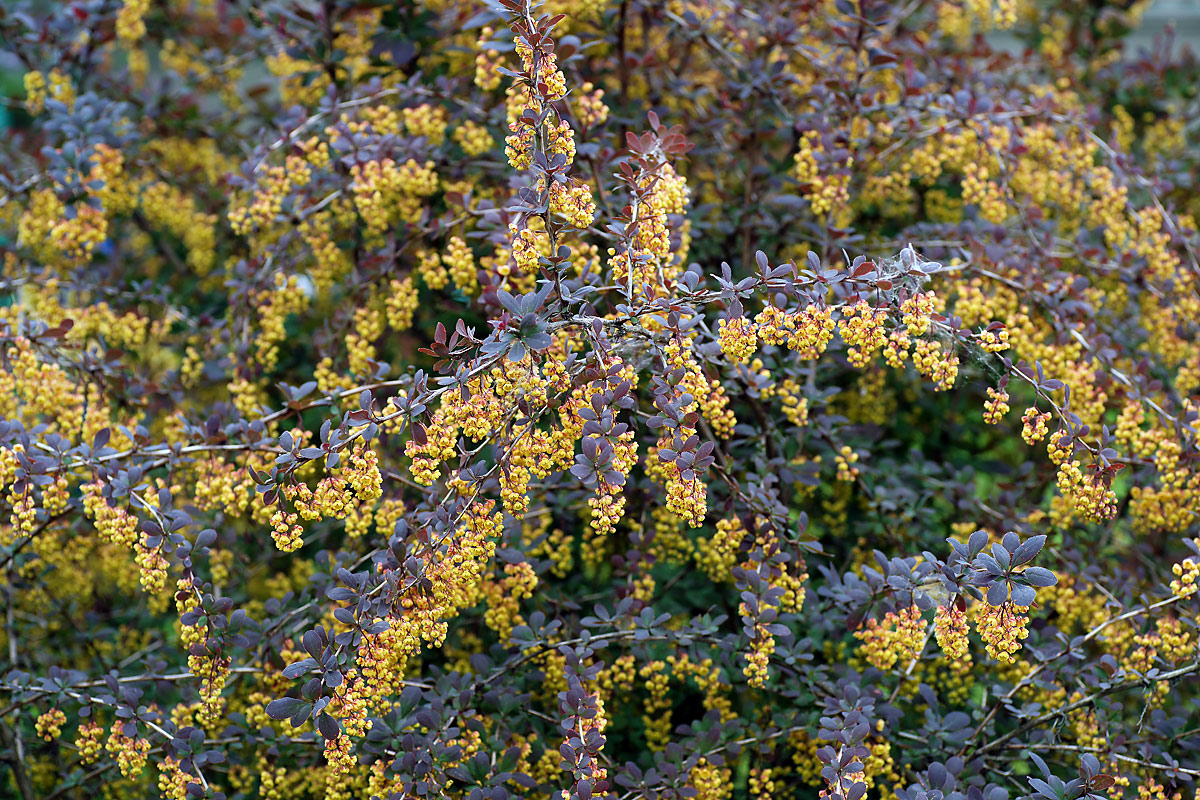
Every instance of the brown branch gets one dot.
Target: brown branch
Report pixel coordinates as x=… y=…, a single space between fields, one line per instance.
x=13 y=745
x=1084 y=702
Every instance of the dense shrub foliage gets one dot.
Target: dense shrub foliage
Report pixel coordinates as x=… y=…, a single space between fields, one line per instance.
x=626 y=399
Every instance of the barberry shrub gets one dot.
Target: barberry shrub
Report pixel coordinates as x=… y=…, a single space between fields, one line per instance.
x=631 y=399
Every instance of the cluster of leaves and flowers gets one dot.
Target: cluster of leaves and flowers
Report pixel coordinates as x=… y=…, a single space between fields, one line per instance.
x=598 y=399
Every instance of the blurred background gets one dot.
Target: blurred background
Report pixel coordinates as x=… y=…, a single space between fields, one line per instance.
x=1173 y=23
x=1183 y=16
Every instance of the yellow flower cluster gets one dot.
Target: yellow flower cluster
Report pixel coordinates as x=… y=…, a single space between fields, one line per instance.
x=936 y=365
x=49 y=724
x=39 y=87
x=994 y=341
x=738 y=338
x=460 y=263
x=87 y=741
x=265 y=203
x=1091 y=496
x=828 y=192
x=1035 y=425
x=172 y=781
x=862 y=330
x=950 y=630
x=427 y=121
x=473 y=138
x=542 y=67
x=758 y=659
x=649 y=265
x=996 y=406
x=1187 y=575
x=574 y=202
x=686 y=498
x=710 y=781
x=487 y=59
x=590 y=107
x=386 y=192
x=518 y=146
x=504 y=596
x=357 y=477
x=896 y=640
x=131 y=24
x=916 y=313
x=1002 y=628
x=431 y=269
x=608 y=503
x=130 y=752
x=845 y=459
x=979 y=191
